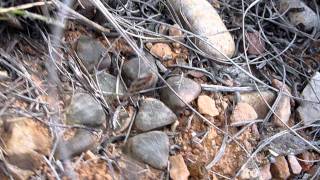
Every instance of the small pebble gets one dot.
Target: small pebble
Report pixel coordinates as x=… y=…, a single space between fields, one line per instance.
x=178 y=168
x=280 y=168
x=186 y=88
x=294 y=164
x=161 y=51
x=283 y=110
x=241 y=113
x=207 y=106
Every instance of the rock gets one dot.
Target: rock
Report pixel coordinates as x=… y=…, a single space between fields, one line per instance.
x=186 y=88
x=283 y=110
x=299 y=14
x=307 y=162
x=205 y=21
x=92 y=53
x=207 y=106
x=137 y=68
x=108 y=85
x=265 y=173
x=25 y=142
x=151 y=148
x=280 y=168
x=308 y=111
x=178 y=168
x=288 y=144
x=248 y=173
x=84 y=109
x=294 y=165
x=153 y=114
x=256 y=45
x=257 y=102
x=82 y=141
x=176 y=32
x=242 y=113
x=161 y=51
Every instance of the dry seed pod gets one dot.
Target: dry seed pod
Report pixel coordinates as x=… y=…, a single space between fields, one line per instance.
x=202 y=19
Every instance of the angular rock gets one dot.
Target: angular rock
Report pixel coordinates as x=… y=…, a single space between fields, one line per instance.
x=92 y=53
x=299 y=14
x=161 y=51
x=257 y=102
x=153 y=114
x=309 y=111
x=294 y=164
x=283 y=109
x=178 y=168
x=151 y=148
x=137 y=68
x=280 y=168
x=82 y=141
x=207 y=106
x=186 y=88
x=265 y=173
x=25 y=141
x=242 y=113
x=84 y=109
x=108 y=85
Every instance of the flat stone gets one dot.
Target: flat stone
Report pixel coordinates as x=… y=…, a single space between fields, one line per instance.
x=137 y=68
x=294 y=164
x=257 y=102
x=309 y=111
x=151 y=148
x=82 y=141
x=84 y=109
x=207 y=106
x=288 y=144
x=280 y=168
x=178 y=168
x=162 y=51
x=186 y=88
x=153 y=114
x=283 y=109
x=242 y=113
x=108 y=85
x=26 y=142
x=92 y=53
